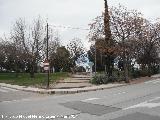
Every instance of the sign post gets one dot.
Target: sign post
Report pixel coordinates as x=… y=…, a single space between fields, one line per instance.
x=46 y=62
x=46 y=68
x=91 y=65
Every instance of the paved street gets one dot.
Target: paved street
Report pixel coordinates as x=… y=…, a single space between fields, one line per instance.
x=9 y=95
x=132 y=102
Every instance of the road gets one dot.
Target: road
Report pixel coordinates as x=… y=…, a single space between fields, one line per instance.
x=10 y=95
x=132 y=102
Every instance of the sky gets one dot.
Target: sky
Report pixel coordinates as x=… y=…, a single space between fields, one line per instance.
x=70 y=13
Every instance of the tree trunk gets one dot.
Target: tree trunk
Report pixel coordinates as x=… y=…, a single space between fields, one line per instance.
x=32 y=70
x=126 y=72
x=17 y=71
x=32 y=73
x=149 y=70
x=125 y=65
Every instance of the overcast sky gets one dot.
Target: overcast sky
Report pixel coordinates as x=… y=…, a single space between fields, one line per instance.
x=73 y=13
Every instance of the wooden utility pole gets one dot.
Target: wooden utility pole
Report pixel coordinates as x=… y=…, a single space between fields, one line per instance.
x=47 y=58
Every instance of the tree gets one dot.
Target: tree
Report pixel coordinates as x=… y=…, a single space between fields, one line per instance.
x=148 y=39
x=76 y=49
x=54 y=42
x=28 y=48
x=100 y=32
x=9 y=60
x=2 y=54
x=123 y=26
x=109 y=49
x=36 y=46
x=60 y=59
x=20 y=41
x=99 y=58
x=113 y=33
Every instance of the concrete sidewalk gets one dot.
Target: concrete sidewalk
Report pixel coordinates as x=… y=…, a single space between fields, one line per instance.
x=77 y=90
x=156 y=76
x=61 y=91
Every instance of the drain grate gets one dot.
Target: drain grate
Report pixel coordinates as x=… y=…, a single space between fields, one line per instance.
x=138 y=116
x=93 y=109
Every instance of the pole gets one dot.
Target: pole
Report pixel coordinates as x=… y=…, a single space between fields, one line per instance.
x=47 y=59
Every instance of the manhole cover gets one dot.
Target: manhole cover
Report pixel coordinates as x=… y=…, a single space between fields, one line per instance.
x=93 y=109
x=138 y=116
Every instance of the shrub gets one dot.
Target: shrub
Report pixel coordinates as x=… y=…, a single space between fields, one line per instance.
x=155 y=69
x=135 y=73
x=102 y=79
x=143 y=73
x=80 y=69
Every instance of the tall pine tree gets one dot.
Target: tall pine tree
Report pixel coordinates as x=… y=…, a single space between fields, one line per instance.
x=109 y=43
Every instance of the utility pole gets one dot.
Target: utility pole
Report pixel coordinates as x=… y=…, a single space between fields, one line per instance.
x=47 y=59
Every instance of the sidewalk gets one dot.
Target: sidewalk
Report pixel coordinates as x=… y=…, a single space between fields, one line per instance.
x=61 y=91
x=78 y=90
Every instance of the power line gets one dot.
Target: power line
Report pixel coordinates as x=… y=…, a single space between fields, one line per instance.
x=66 y=27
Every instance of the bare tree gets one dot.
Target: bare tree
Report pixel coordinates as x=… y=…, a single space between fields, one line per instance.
x=76 y=49
x=54 y=41
x=123 y=26
x=2 y=54
x=36 y=45
x=20 y=40
x=147 y=45
x=30 y=45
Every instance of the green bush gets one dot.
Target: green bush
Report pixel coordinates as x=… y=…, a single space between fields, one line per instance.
x=102 y=79
x=155 y=69
x=80 y=69
x=139 y=73
x=135 y=73
x=99 y=79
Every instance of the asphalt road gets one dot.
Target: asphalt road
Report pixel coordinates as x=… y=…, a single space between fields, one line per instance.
x=132 y=102
x=10 y=95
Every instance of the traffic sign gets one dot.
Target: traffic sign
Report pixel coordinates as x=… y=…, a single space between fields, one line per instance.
x=90 y=64
x=46 y=65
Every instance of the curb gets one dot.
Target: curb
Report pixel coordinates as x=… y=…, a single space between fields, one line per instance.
x=62 y=91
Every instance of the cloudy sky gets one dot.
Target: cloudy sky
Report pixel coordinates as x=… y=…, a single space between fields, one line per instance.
x=72 y=13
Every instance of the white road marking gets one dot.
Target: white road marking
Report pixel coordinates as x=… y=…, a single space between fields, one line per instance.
x=89 y=99
x=145 y=104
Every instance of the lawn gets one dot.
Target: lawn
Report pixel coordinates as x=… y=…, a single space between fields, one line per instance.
x=24 y=79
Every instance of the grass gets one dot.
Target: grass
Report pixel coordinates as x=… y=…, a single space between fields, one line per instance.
x=24 y=79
